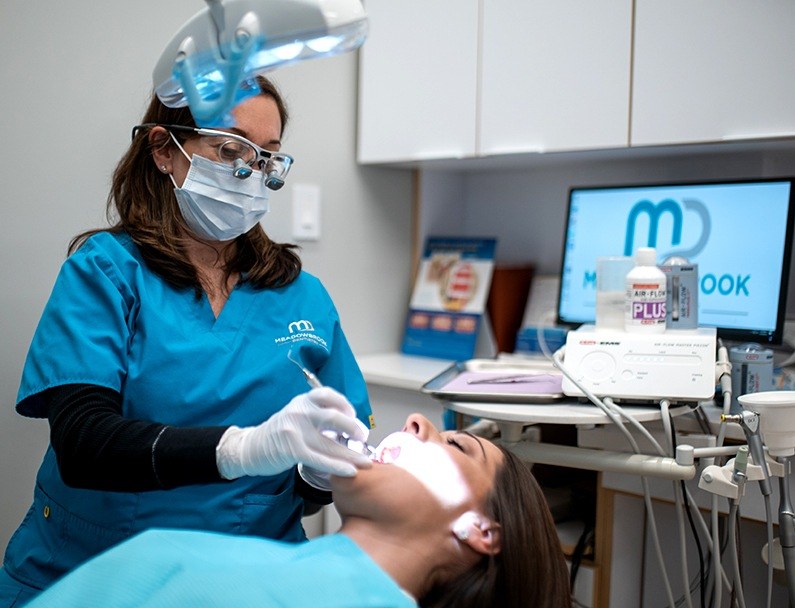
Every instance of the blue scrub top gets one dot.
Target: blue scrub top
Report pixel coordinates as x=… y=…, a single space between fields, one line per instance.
x=171 y=569
x=112 y=322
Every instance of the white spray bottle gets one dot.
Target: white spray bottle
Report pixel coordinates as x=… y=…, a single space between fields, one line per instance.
x=646 y=292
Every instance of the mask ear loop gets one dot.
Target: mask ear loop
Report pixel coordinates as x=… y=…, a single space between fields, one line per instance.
x=185 y=154
x=179 y=145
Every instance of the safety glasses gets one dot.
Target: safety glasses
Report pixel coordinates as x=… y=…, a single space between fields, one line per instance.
x=239 y=153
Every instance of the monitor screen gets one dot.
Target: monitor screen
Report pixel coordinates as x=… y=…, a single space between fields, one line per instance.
x=739 y=233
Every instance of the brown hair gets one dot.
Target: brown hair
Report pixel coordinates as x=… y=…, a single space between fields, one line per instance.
x=530 y=569
x=142 y=200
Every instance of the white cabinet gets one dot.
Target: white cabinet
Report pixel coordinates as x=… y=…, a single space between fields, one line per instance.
x=555 y=75
x=418 y=80
x=454 y=79
x=713 y=70
x=460 y=78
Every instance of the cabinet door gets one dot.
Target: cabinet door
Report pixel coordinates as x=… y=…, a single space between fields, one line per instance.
x=417 y=80
x=555 y=75
x=713 y=70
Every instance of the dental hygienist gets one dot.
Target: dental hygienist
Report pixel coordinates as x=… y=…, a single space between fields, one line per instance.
x=165 y=358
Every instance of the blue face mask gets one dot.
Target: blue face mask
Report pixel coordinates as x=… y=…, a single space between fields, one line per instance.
x=215 y=204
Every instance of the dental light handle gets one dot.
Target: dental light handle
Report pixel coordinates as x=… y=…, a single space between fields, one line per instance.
x=786 y=530
x=211 y=111
x=217 y=14
x=749 y=421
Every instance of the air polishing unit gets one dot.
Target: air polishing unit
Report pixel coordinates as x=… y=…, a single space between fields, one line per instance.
x=642 y=368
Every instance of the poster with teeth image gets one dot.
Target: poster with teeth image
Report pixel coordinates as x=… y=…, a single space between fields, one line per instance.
x=449 y=297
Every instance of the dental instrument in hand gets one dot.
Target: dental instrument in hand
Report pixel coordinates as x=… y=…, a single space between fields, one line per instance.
x=361 y=447
x=355 y=445
x=311 y=379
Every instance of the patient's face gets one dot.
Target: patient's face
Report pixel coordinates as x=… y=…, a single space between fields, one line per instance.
x=420 y=471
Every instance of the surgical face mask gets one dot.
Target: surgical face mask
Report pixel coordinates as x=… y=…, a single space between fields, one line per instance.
x=215 y=204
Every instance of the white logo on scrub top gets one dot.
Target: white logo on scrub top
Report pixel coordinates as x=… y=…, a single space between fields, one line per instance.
x=302 y=325
x=301 y=331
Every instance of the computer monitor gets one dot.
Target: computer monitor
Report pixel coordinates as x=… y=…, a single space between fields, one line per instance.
x=738 y=232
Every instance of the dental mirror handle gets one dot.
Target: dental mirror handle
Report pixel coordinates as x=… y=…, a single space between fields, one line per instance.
x=311 y=379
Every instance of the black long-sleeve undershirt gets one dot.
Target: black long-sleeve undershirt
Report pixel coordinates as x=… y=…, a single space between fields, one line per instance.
x=99 y=449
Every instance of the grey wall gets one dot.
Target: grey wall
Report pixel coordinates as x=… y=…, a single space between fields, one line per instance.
x=75 y=78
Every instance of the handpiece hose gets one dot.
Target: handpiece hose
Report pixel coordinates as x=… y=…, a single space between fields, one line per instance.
x=786 y=530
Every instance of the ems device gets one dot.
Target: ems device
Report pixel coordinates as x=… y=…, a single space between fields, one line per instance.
x=642 y=368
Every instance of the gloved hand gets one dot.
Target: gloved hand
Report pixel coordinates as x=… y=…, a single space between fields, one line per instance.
x=316 y=479
x=294 y=435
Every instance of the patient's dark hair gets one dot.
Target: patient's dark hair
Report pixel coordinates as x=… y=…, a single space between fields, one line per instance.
x=530 y=569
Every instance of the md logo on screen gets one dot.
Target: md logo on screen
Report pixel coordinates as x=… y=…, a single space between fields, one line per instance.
x=647 y=213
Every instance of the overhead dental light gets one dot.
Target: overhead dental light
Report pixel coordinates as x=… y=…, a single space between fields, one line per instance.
x=211 y=63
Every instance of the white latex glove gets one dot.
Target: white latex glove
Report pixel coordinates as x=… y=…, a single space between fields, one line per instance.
x=294 y=435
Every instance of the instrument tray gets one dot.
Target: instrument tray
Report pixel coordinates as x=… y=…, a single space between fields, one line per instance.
x=496 y=381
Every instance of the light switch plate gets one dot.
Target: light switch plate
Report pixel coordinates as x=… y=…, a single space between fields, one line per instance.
x=306 y=212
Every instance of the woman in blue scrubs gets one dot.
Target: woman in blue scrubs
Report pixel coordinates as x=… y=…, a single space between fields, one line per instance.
x=165 y=359
x=441 y=519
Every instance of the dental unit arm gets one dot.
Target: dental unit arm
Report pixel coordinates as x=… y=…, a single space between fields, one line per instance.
x=211 y=63
x=749 y=422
